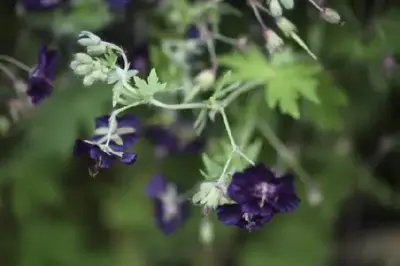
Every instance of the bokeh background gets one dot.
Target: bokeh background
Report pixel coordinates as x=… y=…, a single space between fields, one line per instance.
x=53 y=213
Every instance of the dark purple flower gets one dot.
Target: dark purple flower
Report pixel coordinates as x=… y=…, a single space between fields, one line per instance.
x=170 y=208
x=259 y=194
x=104 y=152
x=193 y=32
x=179 y=137
x=40 y=81
x=233 y=214
x=38 y=5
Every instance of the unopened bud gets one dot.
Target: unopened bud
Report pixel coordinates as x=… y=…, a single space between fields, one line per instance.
x=88 y=39
x=83 y=70
x=314 y=196
x=99 y=75
x=288 y=4
x=331 y=16
x=88 y=80
x=273 y=41
x=96 y=50
x=206 y=231
x=206 y=78
x=241 y=43
x=275 y=8
x=83 y=58
x=286 y=26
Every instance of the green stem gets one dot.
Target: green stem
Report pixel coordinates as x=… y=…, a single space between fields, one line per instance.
x=15 y=62
x=181 y=106
x=236 y=93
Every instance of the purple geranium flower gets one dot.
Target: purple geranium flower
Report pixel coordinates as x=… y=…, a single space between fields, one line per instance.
x=170 y=208
x=233 y=214
x=193 y=32
x=38 y=5
x=259 y=194
x=104 y=152
x=40 y=81
x=179 y=137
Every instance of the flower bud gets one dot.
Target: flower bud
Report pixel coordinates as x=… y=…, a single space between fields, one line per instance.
x=273 y=41
x=83 y=58
x=331 y=16
x=275 y=8
x=314 y=196
x=288 y=4
x=210 y=196
x=206 y=231
x=205 y=79
x=88 y=39
x=99 y=75
x=83 y=70
x=74 y=64
x=96 y=50
x=286 y=26
x=241 y=43
x=88 y=80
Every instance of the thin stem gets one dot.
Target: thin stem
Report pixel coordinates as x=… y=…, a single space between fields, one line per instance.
x=221 y=178
x=15 y=62
x=283 y=152
x=210 y=47
x=113 y=117
x=8 y=73
x=228 y=129
x=320 y=9
x=181 y=106
x=236 y=93
x=258 y=17
x=225 y=39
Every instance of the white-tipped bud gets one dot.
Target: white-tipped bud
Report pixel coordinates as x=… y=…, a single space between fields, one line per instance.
x=96 y=50
x=88 y=39
x=205 y=79
x=275 y=8
x=83 y=70
x=83 y=58
x=286 y=26
x=88 y=80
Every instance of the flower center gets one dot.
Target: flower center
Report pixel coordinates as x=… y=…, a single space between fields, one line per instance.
x=170 y=203
x=264 y=191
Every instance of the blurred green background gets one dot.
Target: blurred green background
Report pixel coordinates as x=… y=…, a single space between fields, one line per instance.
x=53 y=213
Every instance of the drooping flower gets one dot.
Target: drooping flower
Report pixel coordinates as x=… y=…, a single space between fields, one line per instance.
x=170 y=208
x=175 y=138
x=40 y=81
x=233 y=214
x=260 y=194
x=39 y=5
x=104 y=147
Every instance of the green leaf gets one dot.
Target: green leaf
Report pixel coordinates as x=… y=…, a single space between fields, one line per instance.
x=152 y=85
x=327 y=114
x=286 y=78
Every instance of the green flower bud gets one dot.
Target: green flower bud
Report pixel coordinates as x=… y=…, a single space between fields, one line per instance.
x=88 y=80
x=206 y=232
x=273 y=41
x=205 y=79
x=275 y=8
x=74 y=64
x=96 y=50
x=83 y=69
x=288 y=4
x=99 y=75
x=210 y=196
x=331 y=16
x=286 y=26
x=88 y=39
x=83 y=58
